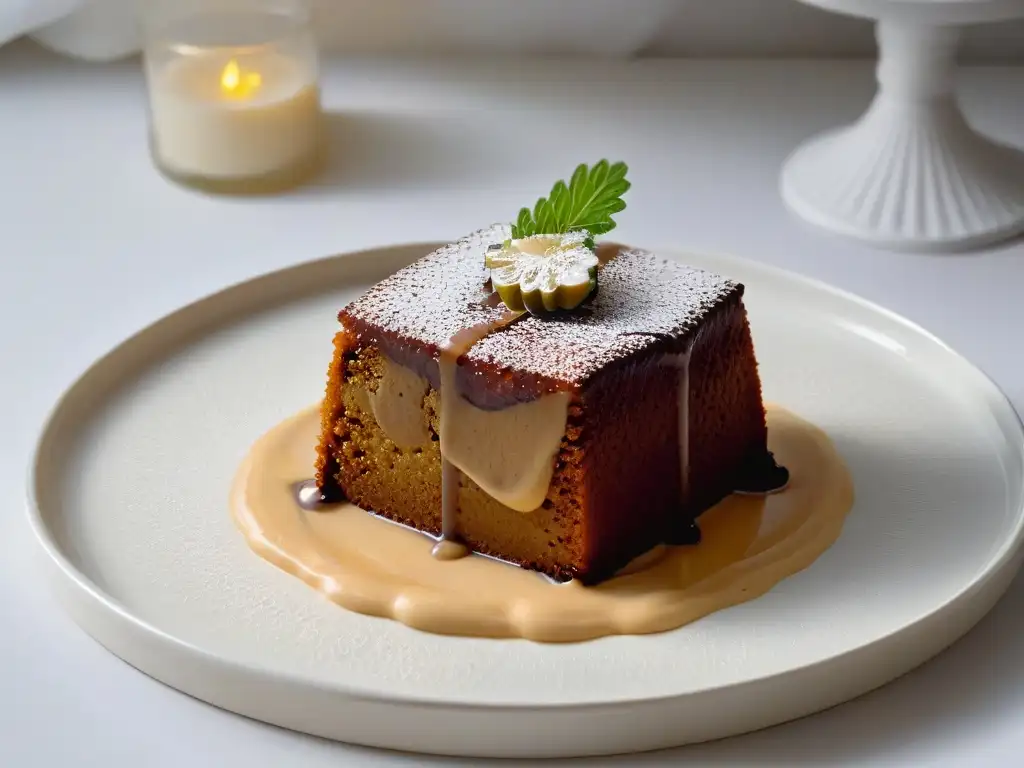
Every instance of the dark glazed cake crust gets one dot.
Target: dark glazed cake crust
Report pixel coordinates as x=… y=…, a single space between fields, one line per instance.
x=642 y=302
x=617 y=482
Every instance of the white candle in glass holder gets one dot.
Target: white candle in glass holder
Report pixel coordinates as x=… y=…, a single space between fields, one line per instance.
x=222 y=119
x=233 y=96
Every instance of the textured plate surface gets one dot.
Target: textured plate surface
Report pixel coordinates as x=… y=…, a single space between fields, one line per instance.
x=128 y=496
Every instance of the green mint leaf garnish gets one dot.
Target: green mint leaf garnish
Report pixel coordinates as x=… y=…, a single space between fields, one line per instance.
x=586 y=203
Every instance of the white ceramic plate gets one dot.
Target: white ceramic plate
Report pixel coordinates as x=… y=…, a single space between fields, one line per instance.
x=128 y=497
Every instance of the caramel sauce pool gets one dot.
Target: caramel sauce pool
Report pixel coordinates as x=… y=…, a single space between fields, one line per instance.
x=371 y=566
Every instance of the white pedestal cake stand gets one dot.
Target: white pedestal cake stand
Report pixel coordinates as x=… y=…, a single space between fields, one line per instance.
x=912 y=174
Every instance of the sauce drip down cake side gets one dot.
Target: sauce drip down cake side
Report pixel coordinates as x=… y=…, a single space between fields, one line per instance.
x=569 y=443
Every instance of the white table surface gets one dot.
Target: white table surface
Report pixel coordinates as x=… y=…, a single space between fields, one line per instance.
x=94 y=244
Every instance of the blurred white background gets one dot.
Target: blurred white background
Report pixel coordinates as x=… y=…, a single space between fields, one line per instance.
x=106 y=29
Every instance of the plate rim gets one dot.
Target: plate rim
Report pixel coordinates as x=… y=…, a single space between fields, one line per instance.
x=1007 y=557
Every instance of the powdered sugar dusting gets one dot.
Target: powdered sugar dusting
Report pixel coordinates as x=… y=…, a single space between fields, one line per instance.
x=641 y=299
x=435 y=297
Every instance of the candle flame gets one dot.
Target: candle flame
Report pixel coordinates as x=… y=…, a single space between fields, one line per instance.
x=234 y=82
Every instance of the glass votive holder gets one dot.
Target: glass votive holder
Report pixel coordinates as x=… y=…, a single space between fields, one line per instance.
x=234 y=99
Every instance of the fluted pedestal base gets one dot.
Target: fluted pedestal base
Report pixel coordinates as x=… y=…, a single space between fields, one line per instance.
x=911 y=174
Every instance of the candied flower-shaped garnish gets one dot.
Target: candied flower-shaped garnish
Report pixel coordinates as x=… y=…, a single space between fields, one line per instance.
x=544 y=273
